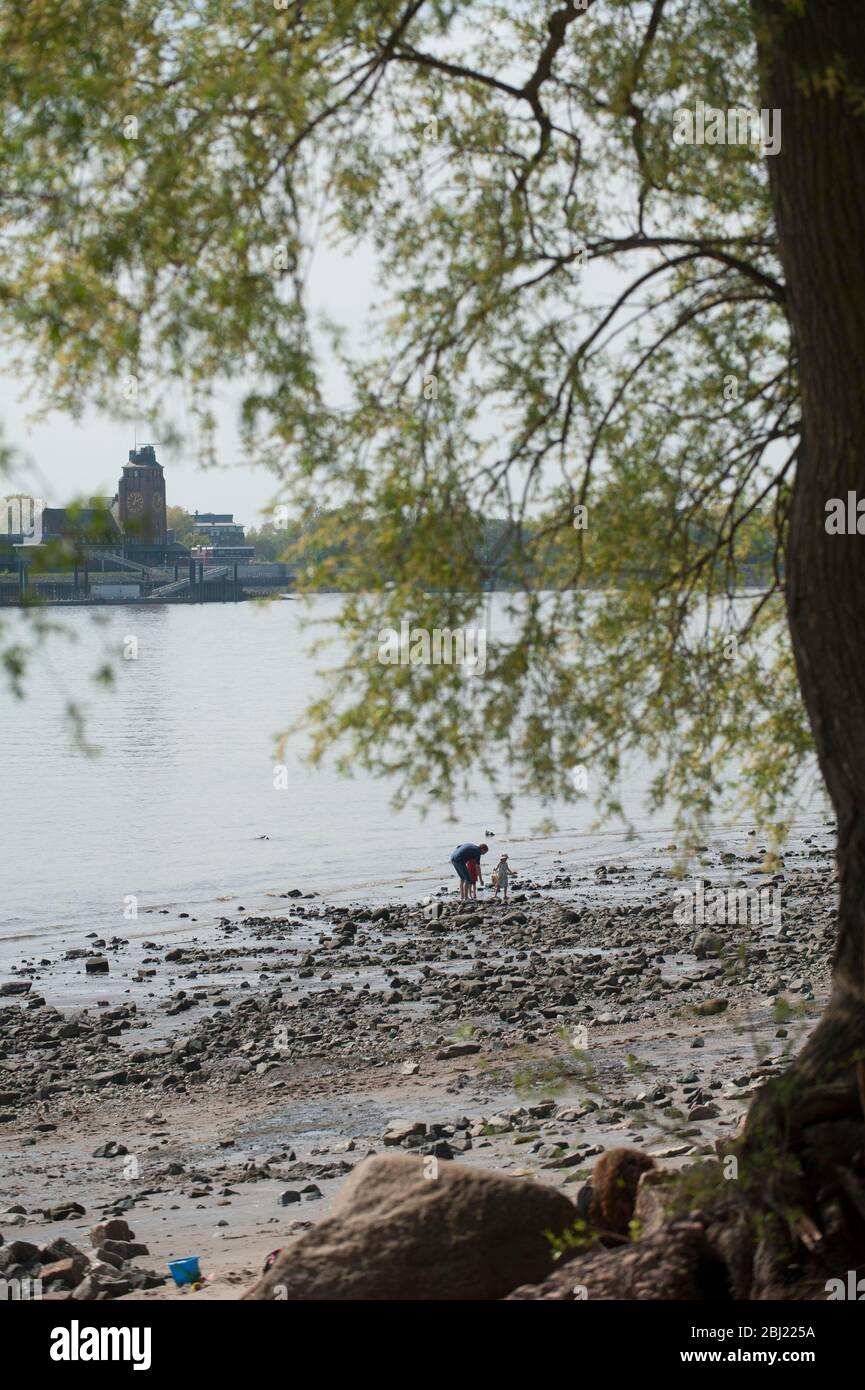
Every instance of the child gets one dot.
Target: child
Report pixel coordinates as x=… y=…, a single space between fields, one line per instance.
x=474 y=869
x=501 y=875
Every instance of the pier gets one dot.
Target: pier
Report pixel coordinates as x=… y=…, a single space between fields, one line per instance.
x=94 y=577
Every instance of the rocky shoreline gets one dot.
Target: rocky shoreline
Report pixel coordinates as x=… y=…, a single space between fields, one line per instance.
x=222 y=1085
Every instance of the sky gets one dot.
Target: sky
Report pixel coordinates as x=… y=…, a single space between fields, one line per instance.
x=59 y=459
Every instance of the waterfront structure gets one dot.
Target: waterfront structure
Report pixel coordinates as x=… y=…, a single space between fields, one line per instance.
x=218 y=537
x=126 y=536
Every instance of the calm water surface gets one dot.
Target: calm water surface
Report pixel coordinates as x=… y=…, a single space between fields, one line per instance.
x=173 y=808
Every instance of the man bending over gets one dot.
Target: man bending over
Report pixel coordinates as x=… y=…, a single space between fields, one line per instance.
x=460 y=858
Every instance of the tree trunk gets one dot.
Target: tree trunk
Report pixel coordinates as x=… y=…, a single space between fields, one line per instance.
x=813 y=72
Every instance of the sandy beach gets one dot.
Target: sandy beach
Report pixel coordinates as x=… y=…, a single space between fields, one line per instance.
x=212 y=1083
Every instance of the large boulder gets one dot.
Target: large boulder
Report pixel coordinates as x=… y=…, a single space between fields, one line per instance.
x=656 y=1195
x=396 y=1234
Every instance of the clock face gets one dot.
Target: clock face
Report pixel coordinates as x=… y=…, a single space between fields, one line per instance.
x=134 y=501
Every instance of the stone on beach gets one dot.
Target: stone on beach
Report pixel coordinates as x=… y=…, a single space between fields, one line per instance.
x=709 y=1007
x=115 y=1229
x=395 y=1234
x=707 y=943
x=125 y=1249
x=63 y=1211
x=400 y=1130
x=69 y=1271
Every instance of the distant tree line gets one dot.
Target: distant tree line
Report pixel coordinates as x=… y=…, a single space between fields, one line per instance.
x=505 y=552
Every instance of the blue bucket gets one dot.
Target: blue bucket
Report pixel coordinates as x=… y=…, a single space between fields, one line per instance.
x=186 y=1271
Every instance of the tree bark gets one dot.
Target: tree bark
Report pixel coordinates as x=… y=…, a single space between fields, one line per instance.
x=813 y=71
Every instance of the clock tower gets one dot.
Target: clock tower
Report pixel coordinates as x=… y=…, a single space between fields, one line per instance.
x=141 y=498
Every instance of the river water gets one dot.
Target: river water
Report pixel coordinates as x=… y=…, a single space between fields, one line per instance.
x=172 y=810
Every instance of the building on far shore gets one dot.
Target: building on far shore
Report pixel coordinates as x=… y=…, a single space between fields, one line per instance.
x=139 y=503
x=132 y=524
x=94 y=524
x=218 y=537
x=128 y=531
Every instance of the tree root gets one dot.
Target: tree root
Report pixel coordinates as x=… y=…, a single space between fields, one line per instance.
x=786 y=1220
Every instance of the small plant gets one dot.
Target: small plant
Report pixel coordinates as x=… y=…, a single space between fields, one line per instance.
x=464 y=1032
x=577 y=1237
x=546 y=1079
